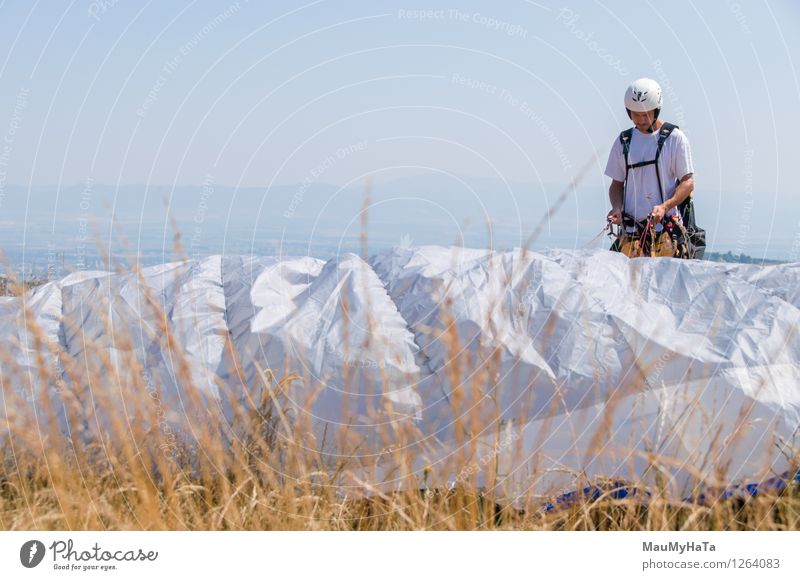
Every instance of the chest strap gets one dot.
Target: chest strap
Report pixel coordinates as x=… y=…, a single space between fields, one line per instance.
x=625 y=138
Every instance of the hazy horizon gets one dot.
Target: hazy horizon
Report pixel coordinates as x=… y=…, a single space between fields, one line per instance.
x=323 y=220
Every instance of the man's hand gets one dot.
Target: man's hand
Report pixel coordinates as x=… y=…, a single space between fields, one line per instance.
x=658 y=213
x=615 y=216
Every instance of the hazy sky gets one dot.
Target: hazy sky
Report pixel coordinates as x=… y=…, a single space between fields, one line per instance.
x=261 y=93
x=253 y=92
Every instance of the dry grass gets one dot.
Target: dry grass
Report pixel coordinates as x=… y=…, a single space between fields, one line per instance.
x=91 y=489
x=13 y=287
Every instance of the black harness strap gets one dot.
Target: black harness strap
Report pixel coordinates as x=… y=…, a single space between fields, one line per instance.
x=625 y=139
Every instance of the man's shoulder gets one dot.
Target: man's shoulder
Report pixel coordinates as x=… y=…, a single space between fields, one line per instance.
x=678 y=134
x=617 y=144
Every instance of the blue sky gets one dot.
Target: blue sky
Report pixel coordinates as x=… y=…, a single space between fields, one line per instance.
x=251 y=94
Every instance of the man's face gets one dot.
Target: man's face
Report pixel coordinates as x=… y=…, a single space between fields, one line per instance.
x=643 y=120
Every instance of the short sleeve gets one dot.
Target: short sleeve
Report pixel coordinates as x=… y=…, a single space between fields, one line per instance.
x=615 y=168
x=682 y=160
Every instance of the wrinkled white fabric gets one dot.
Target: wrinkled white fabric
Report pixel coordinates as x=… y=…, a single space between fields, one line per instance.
x=590 y=361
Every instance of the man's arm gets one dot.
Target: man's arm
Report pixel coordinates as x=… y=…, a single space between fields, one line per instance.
x=685 y=187
x=615 y=197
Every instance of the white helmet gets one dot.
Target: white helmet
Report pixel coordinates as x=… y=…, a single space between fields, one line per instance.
x=642 y=96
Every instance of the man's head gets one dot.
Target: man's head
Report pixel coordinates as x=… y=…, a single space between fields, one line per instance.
x=643 y=103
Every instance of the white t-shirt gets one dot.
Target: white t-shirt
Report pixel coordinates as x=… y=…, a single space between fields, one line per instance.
x=642 y=192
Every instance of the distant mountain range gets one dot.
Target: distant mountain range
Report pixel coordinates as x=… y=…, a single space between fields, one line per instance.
x=732 y=258
x=434 y=208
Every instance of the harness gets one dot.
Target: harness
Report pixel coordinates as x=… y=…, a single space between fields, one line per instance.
x=640 y=238
x=688 y=241
x=625 y=139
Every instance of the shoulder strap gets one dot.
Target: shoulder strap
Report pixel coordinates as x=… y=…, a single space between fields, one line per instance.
x=625 y=140
x=663 y=134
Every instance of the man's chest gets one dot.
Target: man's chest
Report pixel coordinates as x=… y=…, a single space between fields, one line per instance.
x=643 y=149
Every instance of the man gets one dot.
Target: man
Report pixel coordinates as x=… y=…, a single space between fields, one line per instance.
x=652 y=179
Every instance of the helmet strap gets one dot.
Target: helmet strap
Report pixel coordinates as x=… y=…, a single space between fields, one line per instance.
x=655 y=118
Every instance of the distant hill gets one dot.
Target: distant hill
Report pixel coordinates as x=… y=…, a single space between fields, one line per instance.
x=732 y=258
